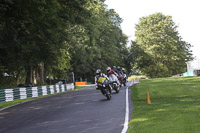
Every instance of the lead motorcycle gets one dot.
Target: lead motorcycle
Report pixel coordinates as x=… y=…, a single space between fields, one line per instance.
x=104 y=86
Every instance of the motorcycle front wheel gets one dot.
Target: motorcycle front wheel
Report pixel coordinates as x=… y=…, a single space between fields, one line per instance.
x=108 y=94
x=117 y=90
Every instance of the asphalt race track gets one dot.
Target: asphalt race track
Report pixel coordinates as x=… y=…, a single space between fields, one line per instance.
x=83 y=111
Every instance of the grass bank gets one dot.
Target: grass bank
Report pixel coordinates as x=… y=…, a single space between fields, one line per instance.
x=11 y=103
x=175 y=106
x=136 y=77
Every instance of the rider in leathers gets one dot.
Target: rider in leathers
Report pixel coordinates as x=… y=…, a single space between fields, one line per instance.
x=99 y=74
x=112 y=75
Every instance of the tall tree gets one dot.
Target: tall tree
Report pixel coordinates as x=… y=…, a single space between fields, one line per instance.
x=35 y=32
x=159 y=50
x=99 y=42
x=40 y=38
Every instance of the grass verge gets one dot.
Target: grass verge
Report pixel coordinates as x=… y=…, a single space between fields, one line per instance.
x=136 y=77
x=175 y=106
x=11 y=103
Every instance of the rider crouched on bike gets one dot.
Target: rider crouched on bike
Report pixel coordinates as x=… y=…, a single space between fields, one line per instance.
x=114 y=69
x=112 y=75
x=123 y=71
x=99 y=74
x=119 y=70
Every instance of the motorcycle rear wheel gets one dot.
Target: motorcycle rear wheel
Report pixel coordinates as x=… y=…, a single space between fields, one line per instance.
x=124 y=83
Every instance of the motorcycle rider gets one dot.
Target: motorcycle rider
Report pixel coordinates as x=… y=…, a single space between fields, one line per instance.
x=124 y=74
x=114 y=69
x=123 y=71
x=112 y=75
x=119 y=72
x=99 y=74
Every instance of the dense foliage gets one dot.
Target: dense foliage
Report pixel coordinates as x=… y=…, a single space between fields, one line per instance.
x=48 y=38
x=42 y=39
x=158 y=50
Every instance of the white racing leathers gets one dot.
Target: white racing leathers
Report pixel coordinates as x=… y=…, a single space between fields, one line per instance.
x=113 y=78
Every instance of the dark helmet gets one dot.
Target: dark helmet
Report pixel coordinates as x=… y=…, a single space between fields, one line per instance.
x=108 y=69
x=118 y=67
x=114 y=67
x=98 y=71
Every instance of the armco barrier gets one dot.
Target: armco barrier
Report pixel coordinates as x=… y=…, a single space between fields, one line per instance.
x=7 y=95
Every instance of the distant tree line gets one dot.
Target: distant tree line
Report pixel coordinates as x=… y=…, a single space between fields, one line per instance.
x=42 y=39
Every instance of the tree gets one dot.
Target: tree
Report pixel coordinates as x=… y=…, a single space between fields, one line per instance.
x=97 y=43
x=35 y=33
x=158 y=49
x=40 y=38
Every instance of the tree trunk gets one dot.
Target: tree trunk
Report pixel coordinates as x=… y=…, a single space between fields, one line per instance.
x=34 y=76
x=29 y=75
x=41 y=73
x=45 y=74
x=17 y=75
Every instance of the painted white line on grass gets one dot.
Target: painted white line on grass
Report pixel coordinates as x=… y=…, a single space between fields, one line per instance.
x=124 y=130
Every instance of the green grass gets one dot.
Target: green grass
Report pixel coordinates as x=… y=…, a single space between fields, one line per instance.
x=175 y=106
x=7 y=104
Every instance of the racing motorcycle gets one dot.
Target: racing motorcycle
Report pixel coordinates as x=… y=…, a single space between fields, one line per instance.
x=124 y=79
x=115 y=86
x=120 y=78
x=104 y=86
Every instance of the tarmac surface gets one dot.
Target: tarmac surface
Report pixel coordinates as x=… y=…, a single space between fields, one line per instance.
x=82 y=111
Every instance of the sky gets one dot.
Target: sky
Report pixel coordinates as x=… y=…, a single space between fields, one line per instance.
x=185 y=14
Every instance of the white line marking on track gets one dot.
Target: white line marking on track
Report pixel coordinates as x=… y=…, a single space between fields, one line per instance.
x=124 y=130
